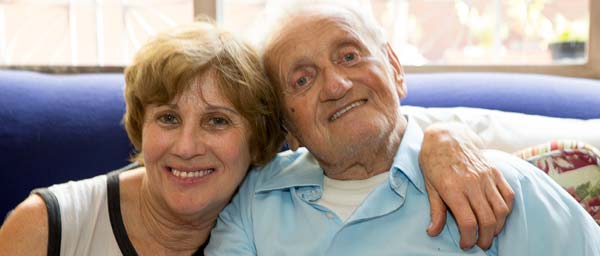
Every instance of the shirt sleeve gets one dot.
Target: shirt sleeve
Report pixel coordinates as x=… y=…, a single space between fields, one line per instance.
x=233 y=233
x=545 y=219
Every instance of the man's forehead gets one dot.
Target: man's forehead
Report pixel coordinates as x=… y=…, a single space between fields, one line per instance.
x=312 y=35
x=316 y=23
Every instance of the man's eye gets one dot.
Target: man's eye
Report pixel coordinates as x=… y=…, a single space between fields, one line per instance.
x=302 y=81
x=168 y=119
x=350 y=57
x=302 y=78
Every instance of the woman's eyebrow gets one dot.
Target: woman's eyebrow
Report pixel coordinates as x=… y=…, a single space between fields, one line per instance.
x=167 y=105
x=213 y=108
x=172 y=105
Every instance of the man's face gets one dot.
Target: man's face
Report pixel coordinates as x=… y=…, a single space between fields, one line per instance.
x=341 y=91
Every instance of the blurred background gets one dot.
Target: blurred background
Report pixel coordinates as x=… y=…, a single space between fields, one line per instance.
x=106 y=33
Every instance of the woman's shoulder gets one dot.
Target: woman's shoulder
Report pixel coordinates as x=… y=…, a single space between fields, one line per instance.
x=25 y=230
x=79 y=191
x=92 y=189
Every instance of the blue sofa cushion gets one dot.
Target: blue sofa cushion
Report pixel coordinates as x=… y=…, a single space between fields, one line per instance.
x=524 y=93
x=58 y=128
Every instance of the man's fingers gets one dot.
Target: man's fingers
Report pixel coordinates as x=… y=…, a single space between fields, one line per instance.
x=437 y=212
x=507 y=193
x=466 y=221
x=486 y=220
x=499 y=207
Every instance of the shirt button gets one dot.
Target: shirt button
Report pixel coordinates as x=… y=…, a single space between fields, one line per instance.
x=329 y=215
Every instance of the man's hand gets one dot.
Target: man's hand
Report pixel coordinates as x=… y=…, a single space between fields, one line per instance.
x=459 y=177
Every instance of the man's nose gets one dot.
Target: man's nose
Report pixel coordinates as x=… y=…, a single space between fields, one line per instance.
x=189 y=143
x=336 y=84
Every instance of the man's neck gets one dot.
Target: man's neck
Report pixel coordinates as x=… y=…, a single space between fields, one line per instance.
x=376 y=159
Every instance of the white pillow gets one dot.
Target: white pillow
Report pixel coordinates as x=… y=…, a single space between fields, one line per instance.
x=509 y=131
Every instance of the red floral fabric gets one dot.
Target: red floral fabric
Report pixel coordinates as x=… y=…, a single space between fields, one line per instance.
x=575 y=166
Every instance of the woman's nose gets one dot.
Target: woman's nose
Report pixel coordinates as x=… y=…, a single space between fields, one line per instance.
x=189 y=143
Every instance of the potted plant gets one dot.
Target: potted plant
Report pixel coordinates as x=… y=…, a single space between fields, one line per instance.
x=569 y=40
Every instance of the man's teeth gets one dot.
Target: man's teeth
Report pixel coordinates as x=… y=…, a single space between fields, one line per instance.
x=346 y=109
x=194 y=174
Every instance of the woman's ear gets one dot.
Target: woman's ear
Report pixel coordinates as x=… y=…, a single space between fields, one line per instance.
x=398 y=71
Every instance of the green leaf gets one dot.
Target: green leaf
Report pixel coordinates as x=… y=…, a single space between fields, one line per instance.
x=583 y=190
x=595 y=190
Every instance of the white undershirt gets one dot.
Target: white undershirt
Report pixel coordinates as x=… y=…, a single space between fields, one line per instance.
x=343 y=196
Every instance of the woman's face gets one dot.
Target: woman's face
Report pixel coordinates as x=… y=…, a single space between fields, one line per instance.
x=195 y=150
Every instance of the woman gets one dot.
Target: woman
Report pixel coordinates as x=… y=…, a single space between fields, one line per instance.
x=201 y=113
x=189 y=115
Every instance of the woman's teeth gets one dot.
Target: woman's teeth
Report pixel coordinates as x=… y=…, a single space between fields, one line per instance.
x=194 y=174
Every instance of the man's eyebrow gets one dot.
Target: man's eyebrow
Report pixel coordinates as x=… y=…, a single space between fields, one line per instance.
x=297 y=64
x=351 y=39
x=302 y=62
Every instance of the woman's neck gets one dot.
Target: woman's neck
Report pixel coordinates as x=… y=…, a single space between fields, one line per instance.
x=152 y=228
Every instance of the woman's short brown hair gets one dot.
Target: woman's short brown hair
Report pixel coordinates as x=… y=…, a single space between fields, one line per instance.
x=164 y=67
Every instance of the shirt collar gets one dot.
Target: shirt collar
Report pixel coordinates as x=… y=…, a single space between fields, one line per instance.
x=303 y=170
x=300 y=169
x=406 y=160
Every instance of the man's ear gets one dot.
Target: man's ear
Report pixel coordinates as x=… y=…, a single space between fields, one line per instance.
x=292 y=141
x=398 y=71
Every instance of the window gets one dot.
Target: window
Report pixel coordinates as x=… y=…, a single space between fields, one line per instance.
x=459 y=32
x=429 y=35
x=83 y=32
x=473 y=35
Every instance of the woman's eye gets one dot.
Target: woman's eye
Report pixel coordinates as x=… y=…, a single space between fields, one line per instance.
x=219 y=122
x=168 y=119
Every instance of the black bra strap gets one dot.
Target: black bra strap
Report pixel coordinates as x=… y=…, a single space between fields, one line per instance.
x=54 y=222
x=116 y=219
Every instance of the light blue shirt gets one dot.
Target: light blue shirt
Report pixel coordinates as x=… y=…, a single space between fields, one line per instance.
x=274 y=213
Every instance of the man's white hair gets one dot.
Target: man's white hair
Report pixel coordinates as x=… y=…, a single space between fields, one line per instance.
x=278 y=13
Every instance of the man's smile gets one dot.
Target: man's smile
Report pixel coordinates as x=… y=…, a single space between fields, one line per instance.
x=345 y=109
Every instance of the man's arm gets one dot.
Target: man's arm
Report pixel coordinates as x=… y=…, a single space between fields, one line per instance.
x=457 y=176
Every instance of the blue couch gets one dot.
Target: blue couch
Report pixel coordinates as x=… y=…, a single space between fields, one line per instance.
x=55 y=128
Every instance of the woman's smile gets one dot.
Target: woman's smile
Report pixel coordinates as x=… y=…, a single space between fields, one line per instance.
x=190 y=175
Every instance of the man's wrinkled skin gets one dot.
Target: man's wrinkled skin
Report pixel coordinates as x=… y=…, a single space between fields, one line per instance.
x=345 y=66
x=446 y=161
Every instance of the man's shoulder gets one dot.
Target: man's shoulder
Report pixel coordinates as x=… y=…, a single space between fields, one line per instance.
x=542 y=211
x=283 y=170
x=283 y=160
x=512 y=167
x=524 y=178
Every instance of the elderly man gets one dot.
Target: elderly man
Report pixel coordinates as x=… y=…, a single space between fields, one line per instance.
x=357 y=188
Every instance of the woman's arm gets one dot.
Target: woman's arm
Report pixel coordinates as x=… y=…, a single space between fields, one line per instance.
x=457 y=176
x=25 y=231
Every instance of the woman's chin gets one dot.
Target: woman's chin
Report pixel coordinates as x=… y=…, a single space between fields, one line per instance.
x=191 y=209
